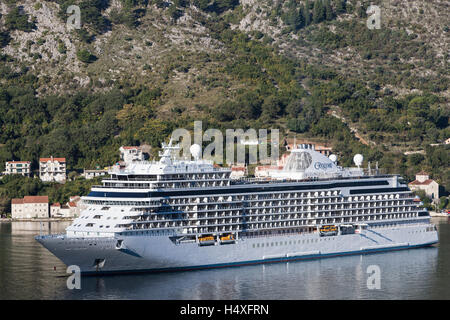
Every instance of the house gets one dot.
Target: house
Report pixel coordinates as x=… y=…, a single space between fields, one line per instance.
x=238 y=172
x=60 y=211
x=77 y=204
x=323 y=149
x=423 y=182
x=71 y=209
x=18 y=167
x=89 y=174
x=30 y=207
x=52 y=169
x=55 y=209
x=130 y=154
x=264 y=171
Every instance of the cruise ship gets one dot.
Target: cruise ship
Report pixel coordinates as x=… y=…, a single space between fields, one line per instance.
x=175 y=214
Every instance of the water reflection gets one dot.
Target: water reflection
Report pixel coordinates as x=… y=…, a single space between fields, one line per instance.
x=404 y=275
x=26 y=272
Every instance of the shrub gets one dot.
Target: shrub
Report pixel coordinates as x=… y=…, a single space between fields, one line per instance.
x=16 y=19
x=4 y=39
x=85 y=56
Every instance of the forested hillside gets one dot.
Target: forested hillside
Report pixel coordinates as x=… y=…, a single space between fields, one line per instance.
x=138 y=69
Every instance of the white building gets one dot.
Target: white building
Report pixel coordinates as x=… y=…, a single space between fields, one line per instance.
x=238 y=172
x=89 y=174
x=323 y=149
x=264 y=171
x=52 y=169
x=71 y=209
x=130 y=154
x=423 y=182
x=62 y=211
x=18 y=167
x=30 y=207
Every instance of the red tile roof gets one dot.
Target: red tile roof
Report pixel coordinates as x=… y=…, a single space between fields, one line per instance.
x=72 y=204
x=35 y=199
x=424 y=183
x=18 y=161
x=269 y=167
x=56 y=205
x=16 y=201
x=238 y=169
x=128 y=148
x=54 y=159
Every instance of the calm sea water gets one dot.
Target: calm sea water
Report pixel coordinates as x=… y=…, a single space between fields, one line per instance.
x=27 y=272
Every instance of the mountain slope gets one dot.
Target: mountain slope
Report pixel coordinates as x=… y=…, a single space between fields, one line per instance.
x=138 y=69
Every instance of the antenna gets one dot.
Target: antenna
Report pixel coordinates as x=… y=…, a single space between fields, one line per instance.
x=358 y=159
x=196 y=151
x=333 y=158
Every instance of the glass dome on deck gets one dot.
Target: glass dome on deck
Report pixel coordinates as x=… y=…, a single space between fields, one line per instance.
x=298 y=161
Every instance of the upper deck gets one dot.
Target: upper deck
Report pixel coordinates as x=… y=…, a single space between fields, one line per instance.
x=196 y=197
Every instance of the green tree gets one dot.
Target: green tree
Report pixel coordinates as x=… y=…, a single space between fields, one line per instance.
x=329 y=14
x=4 y=39
x=302 y=19
x=307 y=13
x=341 y=6
x=293 y=17
x=294 y=108
x=174 y=12
x=17 y=19
x=297 y=125
x=153 y=132
x=318 y=11
x=443 y=202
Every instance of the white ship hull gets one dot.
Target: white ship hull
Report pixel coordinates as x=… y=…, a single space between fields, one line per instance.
x=145 y=253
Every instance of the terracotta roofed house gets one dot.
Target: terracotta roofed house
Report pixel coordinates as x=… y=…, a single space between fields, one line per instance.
x=52 y=169
x=30 y=207
x=238 y=172
x=423 y=182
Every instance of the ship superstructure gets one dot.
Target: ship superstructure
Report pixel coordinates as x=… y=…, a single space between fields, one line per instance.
x=179 y=214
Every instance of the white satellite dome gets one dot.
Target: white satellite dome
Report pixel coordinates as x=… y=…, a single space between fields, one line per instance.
x=358 y=159
x=333 y=157
x=196 y=151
